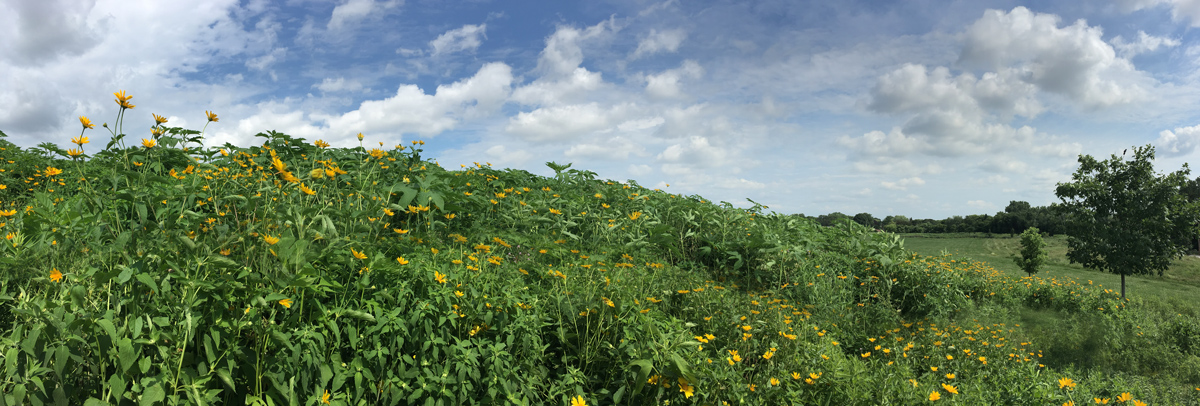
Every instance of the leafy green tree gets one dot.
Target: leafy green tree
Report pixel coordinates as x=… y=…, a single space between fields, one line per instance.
x=1122 y=217
x=1033 y=251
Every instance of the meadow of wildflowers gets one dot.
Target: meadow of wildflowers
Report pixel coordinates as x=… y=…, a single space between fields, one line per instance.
x=289 y=272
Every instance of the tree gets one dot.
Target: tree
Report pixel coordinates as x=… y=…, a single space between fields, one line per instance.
x=1123 y=218
x=1033 y=251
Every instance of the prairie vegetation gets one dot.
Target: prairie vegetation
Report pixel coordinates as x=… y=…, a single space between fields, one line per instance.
x=290 y=272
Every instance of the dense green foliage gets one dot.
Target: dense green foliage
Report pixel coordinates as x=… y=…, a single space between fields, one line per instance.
x=1125 y=219
x=1033 y=251
x=292 y=273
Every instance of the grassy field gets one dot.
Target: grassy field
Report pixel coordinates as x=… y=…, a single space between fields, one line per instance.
x=1180 y=283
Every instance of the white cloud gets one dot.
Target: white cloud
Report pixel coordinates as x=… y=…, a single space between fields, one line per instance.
x=550 y=92
x=640 y=169
x=615 y=148
x=457 y=40
x=1180 y=9
x=561 y=122
x=659 y=41
x=903 y=184
x=338 y=85
x=694 y=151
x=353 y=11
x=1144 y=43
x=1073 y=61
x=47 y=30
x=666 y=84
x=1181 y=141
x=563 y=52
x=413 y=111
x=505 y=157
x=263 y=62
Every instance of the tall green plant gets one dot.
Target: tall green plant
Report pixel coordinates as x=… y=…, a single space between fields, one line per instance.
x=1033 y=251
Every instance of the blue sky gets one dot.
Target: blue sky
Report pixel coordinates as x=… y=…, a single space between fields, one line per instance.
x=921 y=108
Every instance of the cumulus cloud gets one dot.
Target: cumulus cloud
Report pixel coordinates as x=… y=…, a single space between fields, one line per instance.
x=562 y=79
x=458 y=40
x=353 y=11
x=560 y=123
x=1073 y=61
x=1181 y=141
x=659 y=41
x=1144 y=43
x=413 y=111
x=666 y=84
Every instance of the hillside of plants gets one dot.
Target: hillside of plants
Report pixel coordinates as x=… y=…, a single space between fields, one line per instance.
x=293 y=273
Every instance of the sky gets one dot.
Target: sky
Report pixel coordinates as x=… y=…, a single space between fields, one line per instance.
x=921 y=108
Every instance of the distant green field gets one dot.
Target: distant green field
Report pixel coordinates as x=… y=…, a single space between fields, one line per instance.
x=1181 y=282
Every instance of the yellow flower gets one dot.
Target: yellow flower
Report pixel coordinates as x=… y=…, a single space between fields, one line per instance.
x=458 y=293
x=635 y=215
x=774 y=382
x=934 y=396
x=949 y=376
x=439 y=277
x=1125 y=397
x=575 y=401
x=325 y=397
x=74 y=153
x=211 y=116
x=8 y=213
x=400 y=231
x=360 y=137
x=55 y=275
x=402 y=261
x=1100 y=401
x=736 y=357
x=307 y=190
x=52 y=171
x=357 y=254
x=321 y=144
x=272 y=240
x=796 y=376
x=866 y=354
x=608 y=302
x=159 y=119
x=1066 y=382
x=286 y=303
x=1139 y=403
x=950 y=389
x=86 y=124
x=149 y=143
x=123 y=100
x=80 y=141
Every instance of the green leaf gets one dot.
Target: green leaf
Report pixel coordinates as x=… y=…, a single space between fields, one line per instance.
x=117 y=384
x=125 y=353
x=152 y=394
x=148 y=281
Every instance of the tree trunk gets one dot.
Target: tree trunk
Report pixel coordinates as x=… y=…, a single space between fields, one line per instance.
x=1122 y=286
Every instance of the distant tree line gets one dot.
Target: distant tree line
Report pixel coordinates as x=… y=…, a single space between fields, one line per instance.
x=1016 y=217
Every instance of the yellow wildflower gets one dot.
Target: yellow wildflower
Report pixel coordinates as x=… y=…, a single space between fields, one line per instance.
x=286 y=303
x=211 y=116
x=149 y=143
x=55 y=275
